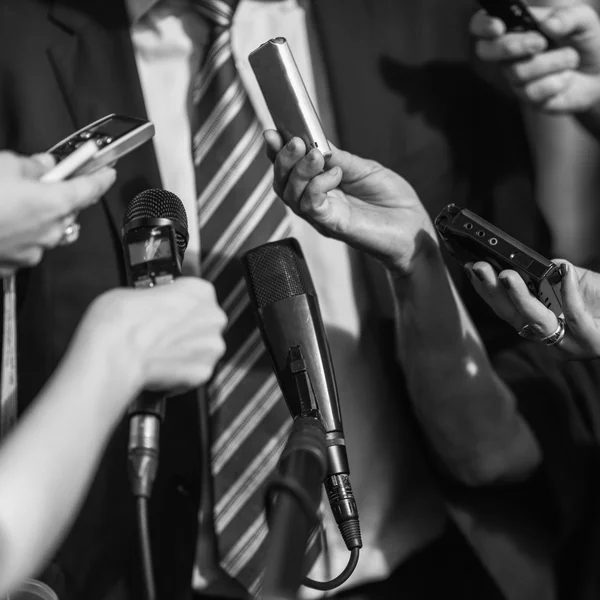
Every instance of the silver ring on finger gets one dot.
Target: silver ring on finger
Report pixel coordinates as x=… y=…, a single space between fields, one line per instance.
x=556 y=336
x=527 y=332
x=71 y=231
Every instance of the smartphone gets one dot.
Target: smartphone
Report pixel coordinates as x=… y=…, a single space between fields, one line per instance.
x=469 y=238
x=113 y=136
x=515 y=14
x=286 y=95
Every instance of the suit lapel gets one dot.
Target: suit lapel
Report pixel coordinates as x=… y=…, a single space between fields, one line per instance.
x=93 y=59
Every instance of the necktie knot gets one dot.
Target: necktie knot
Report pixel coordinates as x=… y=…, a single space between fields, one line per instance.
x=218 y=12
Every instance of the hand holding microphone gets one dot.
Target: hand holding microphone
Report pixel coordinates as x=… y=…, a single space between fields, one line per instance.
x=129 y=340
x=169 y=338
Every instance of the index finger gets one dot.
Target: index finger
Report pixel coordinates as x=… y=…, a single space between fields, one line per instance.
x=511 y=46
x=274 y=143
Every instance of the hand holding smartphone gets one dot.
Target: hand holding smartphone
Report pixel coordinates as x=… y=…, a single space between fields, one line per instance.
x=515 y=14
x=96 y=145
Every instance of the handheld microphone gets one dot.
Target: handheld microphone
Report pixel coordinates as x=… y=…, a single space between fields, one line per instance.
x=154 y=238
x=289 y=318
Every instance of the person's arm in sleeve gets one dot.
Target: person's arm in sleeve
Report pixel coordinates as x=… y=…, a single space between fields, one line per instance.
x=163 y=339
x=560 y=92
x=467 y=412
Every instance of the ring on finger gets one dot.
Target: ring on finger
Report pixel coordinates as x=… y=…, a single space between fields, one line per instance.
x=527 y=332
x=71 y=231
x=557 y=335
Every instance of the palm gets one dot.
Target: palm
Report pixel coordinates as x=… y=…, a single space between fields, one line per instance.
x=378 y=212
x=582 y=92
x=589 y=285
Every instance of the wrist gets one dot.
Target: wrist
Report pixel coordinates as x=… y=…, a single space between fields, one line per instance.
x=425 y=257
x=102 y=342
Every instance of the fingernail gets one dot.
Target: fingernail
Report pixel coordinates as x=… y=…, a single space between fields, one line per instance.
x=554 y=23
x=45 y=159
x=564 y=270
x=505 y=281
x=478 y=274
x=291 y=145
x=314 y=155
x=335 y=171
x=536 y=44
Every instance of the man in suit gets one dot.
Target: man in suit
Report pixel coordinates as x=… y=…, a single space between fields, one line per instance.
x=410 y=101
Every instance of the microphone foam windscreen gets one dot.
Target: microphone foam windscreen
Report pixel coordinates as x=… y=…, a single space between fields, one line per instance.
x=160 y=204
x=276 y=271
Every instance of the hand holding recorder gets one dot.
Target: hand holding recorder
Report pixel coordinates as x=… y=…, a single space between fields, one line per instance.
x=507 y=294
x=554 y=66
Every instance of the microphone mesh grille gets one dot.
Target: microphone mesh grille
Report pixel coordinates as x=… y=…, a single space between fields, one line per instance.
x=159 y=204
x=274 y=272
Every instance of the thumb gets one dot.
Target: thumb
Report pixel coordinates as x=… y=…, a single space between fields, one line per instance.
x=576 y=314
x=353 y=167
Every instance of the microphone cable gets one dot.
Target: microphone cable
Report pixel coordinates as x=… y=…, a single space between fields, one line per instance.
x=286 y=485
x=145 y=547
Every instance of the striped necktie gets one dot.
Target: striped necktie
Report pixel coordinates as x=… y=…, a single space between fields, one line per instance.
x=237 y=210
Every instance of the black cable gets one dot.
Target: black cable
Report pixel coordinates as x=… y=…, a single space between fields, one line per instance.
x=325 y=586
x=283 y=484
x=145 y=548
x=301 y=496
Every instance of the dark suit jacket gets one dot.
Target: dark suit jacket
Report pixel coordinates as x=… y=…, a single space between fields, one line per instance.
x=405 y=94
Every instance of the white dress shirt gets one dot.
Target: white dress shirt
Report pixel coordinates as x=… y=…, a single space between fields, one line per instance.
x=400 y=511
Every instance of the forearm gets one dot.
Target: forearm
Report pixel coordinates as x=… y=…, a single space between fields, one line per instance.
x=567 y=184
x=565 y=153
x=467 y=413
x=48 y=461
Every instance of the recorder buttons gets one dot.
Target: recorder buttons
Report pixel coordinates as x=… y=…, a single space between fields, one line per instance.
x=520 y=259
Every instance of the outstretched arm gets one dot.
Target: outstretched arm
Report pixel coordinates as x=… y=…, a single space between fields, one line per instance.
x=467 y=412
x=50 y=457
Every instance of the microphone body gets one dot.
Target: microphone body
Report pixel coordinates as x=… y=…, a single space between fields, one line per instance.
x=296 y=322
x=154 y=238
x=289 y=318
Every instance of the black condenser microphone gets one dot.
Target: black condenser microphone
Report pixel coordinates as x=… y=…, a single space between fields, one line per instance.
x=287 y=309
x=154 y=238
